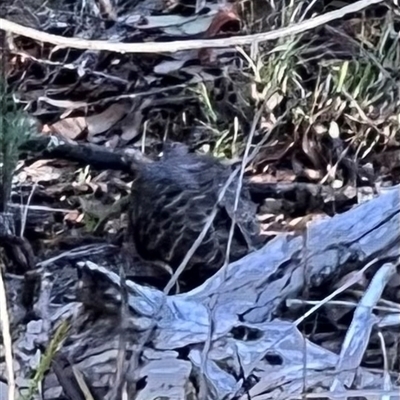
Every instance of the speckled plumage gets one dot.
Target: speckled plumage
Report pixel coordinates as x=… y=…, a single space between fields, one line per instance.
x=170 y=202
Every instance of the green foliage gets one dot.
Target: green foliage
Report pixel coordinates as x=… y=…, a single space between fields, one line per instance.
x=340 y=82
x=55 y=344
x=14 y=130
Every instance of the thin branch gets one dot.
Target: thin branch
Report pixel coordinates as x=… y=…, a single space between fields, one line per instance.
x=5 y=331
x=26 y=209
x=171 y=47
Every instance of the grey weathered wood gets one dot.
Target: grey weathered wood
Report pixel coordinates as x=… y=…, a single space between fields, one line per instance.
x=247 y=294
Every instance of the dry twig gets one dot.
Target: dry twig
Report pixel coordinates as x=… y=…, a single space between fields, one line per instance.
x=5 y=331
x=171 y=47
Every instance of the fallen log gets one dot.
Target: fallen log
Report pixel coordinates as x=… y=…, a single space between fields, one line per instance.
x=227 y=335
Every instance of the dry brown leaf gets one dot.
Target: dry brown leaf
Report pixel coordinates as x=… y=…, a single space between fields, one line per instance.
x=63 y=103
x=285 y=175
x=70 y=128
x=39 y=171
x=104 y=121
x=113 y=142
x=263 y=178
x=74 y=216
x=225 y=16
x=82 y=187
x=280 y=175
x=131 y=124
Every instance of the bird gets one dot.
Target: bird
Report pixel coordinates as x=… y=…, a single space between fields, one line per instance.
x=170 y=202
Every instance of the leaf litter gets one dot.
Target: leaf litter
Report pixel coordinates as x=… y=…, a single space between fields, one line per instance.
x=334 y=149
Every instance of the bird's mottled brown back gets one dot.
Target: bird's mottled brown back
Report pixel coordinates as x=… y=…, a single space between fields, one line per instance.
x=171 y=201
